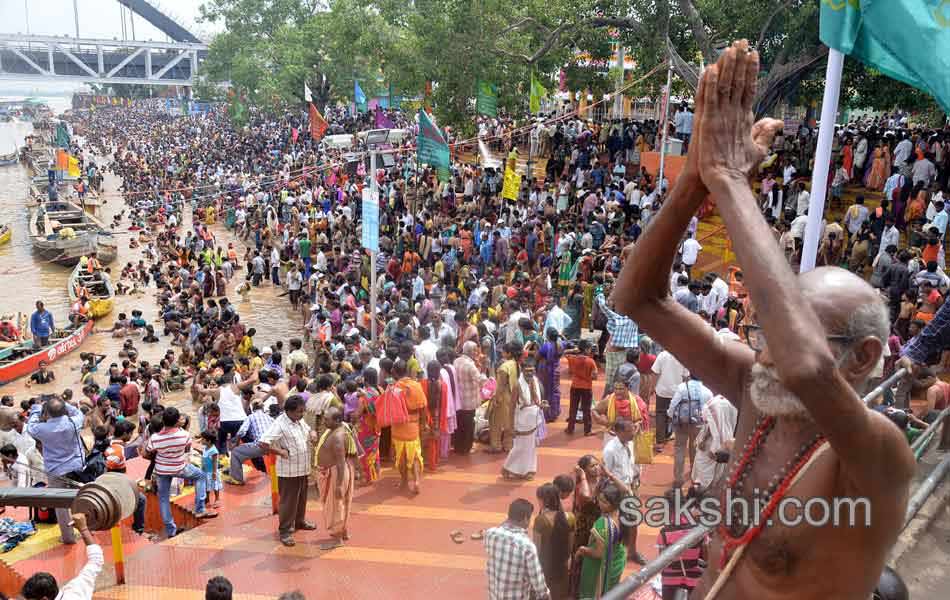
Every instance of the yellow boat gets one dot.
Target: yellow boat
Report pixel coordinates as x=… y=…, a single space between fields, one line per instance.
x=5 y=234
x=100 y=293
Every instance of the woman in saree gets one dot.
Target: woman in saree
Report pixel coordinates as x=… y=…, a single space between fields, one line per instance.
x=437 y=393
x=549 y=362
x=553 y=534
x=604 y=557
x=367 y=431
x=880 y=168
x=588 y=478
x=575 y=310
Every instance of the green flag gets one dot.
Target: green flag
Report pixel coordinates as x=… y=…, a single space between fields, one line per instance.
x=237 y=111
x=908 y=40
x=538 y=91
x=431 y=147
x=486 y=103
x=62 y=136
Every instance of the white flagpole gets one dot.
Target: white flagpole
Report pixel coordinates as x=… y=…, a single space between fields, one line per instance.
x=819 y=176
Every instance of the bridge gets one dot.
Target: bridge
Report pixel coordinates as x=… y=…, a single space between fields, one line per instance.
x=103 y=61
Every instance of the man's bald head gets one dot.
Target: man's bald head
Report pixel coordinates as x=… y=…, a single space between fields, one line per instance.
x=849 y=307
x=469 y=348
x=55 y=407
x=845 y=303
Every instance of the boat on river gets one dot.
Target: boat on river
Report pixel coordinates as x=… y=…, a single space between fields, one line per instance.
x=63 y=233
x=22 y=359
x=100 y=293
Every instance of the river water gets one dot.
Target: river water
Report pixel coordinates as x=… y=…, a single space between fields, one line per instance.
x=26 y=278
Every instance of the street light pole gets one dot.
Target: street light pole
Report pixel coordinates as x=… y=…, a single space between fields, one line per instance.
x=666 y=126
x=374 y=191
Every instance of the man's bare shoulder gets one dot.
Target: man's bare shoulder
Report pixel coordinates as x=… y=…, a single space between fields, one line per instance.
x=888 y=449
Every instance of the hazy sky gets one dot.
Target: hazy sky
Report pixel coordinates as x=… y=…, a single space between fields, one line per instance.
x=97 y=18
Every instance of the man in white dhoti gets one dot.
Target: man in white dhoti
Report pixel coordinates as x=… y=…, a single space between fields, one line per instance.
x=522 y=460
x=714 y=442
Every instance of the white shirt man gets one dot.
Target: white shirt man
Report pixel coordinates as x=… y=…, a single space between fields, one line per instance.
x=670 y=374
x=690 y=251
x=902 y=152
x=684 y=122
x=718 y=295
x=804 y=198
x=923 y=171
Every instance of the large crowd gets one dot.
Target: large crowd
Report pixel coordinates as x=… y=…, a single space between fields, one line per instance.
x=481 y=302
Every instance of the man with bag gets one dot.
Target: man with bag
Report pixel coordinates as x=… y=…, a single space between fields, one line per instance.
x=686 y=414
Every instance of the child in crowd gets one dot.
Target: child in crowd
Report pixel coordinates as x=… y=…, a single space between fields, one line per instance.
x=209 y=464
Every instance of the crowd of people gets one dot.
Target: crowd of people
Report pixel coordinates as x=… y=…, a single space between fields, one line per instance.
x=480 y=304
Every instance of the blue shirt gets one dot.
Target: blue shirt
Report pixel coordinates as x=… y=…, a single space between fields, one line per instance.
x=41 y=323
x=940 y=222
x=62 y=449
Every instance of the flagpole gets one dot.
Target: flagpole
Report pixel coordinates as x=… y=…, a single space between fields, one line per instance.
x=819 y=176
x=666 y=126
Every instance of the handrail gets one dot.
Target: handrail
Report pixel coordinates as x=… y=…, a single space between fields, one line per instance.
x=628 y=586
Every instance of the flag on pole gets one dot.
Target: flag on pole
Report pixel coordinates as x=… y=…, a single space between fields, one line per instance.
x=486 y=102
x=512 y=183
x=318 y=125
x=73 y=166
x=908 y=40
x=538 y=92
x=382 y=120
x=307 y=94
x=359 y=98
x=431 y=147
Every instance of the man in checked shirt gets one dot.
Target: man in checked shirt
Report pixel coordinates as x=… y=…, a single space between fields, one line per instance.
x=514 y=570
x=623 y=336
x=248 y=436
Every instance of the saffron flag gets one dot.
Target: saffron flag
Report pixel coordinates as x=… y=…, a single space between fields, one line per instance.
x=486 y=102
x=359 y=98
x=538 y=92
x=318 y=125
x=73 y=166
x=908 y=40
x=431 y=147
x=382 y=120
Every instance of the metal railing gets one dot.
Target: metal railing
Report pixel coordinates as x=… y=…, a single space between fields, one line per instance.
x=653 y=568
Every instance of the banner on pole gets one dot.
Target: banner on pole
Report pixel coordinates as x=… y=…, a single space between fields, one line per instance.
x=486 y=102
x=431 y=147
x=370 y=220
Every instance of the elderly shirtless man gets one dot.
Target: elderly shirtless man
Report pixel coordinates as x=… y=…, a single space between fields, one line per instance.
x=796 y=384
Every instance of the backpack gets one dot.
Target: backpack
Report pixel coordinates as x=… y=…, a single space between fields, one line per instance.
x=391 y=407
x=689 y=412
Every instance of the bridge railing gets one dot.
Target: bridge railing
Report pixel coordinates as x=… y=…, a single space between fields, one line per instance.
x=923 y=491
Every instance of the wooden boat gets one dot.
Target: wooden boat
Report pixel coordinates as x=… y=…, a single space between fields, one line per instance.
x=101 y=294
x=5 y=233
x=62 y=232
x=19 y=361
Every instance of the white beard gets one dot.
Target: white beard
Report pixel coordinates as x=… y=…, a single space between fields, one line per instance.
x=771 y=398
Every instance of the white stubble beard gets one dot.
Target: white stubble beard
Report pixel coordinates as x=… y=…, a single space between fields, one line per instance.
x=771 y=398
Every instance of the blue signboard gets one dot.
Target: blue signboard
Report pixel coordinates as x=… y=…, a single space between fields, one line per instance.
x=370 y=221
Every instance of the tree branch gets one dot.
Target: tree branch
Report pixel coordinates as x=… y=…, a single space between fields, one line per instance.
x=768 y=22
x=698 y=27
x=553 y=36
x=772 y=86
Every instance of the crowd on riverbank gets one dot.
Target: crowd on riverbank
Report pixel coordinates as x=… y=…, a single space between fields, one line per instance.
x=481 y=303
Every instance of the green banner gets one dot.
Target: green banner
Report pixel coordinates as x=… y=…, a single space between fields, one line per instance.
x=908 y=40
x=538 y=92
x=486 y=102
x=431 y=147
